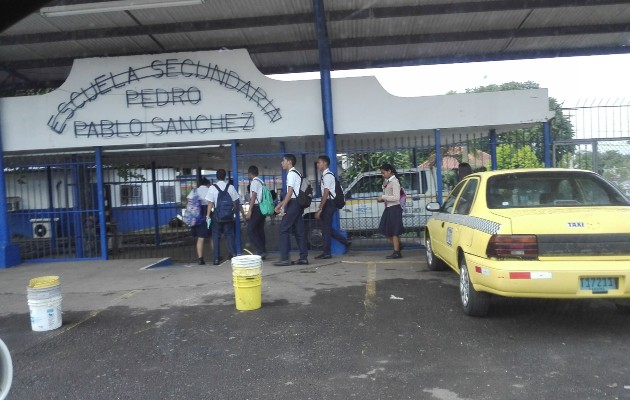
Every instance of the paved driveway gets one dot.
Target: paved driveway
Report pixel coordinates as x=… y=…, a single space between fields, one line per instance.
x=353 y=327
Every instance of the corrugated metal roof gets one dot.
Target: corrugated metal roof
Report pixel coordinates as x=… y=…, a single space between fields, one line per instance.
x=281 y=36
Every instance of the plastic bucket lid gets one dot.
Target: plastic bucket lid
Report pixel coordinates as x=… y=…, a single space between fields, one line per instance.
x=43 y=294
x=43 y=282
x=246 y=261
x=53 y=301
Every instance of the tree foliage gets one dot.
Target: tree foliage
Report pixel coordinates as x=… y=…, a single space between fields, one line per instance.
x=364 y=162
x=561 y=128
x=509 y=156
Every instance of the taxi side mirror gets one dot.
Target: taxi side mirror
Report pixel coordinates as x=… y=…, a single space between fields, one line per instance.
x=433 y=206
x=6 y=371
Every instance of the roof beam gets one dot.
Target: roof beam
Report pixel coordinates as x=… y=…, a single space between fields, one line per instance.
x=377 y=41
x=499 y=56
x=304 y=18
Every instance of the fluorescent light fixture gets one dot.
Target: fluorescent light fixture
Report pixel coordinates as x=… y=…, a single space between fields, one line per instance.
x=111 y=6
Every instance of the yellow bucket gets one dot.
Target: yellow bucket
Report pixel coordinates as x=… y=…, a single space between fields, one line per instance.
x=247 y=292
x=43 y=282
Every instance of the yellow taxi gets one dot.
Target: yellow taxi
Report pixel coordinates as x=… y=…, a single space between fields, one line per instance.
x=549 y=233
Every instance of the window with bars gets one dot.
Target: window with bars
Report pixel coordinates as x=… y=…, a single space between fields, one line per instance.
x=130 y=195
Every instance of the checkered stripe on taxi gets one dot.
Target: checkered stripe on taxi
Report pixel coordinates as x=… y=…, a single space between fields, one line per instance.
x=476 y=223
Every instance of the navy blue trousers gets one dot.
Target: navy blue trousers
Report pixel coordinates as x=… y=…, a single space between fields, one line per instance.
x=256 y=231
x=328 y=232
x=292 y=222
x=227 y=229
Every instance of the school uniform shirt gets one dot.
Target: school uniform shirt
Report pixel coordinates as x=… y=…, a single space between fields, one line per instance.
x=294 y=181
x=213 y=193
x=202 y=191
x=328 y=182
x=391 y=192
x=256 y=186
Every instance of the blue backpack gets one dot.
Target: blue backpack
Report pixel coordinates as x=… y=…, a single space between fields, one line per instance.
x=224 y=207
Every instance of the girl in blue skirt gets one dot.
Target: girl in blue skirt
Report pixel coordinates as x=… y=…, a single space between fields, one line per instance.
x=391 y=222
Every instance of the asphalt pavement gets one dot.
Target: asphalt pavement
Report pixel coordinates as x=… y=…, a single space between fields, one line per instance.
x=356 y=326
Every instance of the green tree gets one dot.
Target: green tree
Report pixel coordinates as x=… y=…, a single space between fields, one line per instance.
x=364 y=162
x=509 y=156
x=561 y=128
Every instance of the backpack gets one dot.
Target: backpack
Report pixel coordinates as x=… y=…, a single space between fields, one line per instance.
x=224 y=207
x=266 y=200
x=193 y=216
x=305 y=195
x=339 y=199
x=403 y=198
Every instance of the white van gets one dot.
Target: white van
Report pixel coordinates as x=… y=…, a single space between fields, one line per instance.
x=362 y=213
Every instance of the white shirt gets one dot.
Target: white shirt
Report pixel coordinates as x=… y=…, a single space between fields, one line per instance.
x=256 y=185
x=294 y=181
x=202 y=191
x=328 y=182
x=213 y=193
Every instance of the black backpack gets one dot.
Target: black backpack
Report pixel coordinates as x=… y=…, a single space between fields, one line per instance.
x=339 y=200
x=224 y=208
x=305 y=194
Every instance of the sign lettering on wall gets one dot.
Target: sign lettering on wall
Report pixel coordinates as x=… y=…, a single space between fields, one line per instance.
x=156 y=98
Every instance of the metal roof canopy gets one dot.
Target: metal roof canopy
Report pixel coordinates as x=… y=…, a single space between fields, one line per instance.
x=280 y=35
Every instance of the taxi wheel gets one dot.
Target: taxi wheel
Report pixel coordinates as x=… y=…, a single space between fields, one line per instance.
x=475 y=303
x=433 y=263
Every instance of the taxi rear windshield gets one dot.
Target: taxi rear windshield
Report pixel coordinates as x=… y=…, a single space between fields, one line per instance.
x=551 y=189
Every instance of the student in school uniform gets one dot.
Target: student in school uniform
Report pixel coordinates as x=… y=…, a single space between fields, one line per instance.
x=292 y=215
x=255 y=218
x=327 y=209
x=391 y=222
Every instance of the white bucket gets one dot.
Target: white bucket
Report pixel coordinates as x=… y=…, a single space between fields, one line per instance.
x=40 y=294
x=246 y=266
x=6 y=370
x=45 y=314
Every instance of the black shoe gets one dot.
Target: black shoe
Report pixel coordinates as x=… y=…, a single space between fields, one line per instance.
x=218 y=261
x=394 y=255
x=283 y=263
x=323 y=257
x=301 y=262
x=201 y=261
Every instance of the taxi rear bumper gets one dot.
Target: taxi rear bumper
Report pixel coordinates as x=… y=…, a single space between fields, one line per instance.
x=550 y=278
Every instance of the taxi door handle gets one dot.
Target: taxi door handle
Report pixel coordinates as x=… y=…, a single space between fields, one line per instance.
x=442 y=224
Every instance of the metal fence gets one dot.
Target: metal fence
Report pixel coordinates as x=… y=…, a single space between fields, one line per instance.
x=601 y=140
x=53 y=199
x=52 y=206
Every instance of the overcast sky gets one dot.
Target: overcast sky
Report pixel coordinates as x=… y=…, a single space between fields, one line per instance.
x=571 y=80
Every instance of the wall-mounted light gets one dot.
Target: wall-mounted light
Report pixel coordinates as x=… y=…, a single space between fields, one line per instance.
x=111 y=6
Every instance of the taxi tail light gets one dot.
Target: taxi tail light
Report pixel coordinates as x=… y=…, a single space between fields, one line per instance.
x=513 y=246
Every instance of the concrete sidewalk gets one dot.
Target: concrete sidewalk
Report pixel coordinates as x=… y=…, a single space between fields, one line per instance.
x=357 y=326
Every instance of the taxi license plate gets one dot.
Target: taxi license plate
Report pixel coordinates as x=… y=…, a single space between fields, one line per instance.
x=599 y=284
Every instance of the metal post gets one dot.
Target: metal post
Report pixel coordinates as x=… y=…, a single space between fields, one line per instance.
x=325 y=65
x=9 y=252
x=438 y=165
x=156 y=209
x=548 y=143
x=494 y=165
x=101 y=201
x=414 y=155
x=283 y=150
x=51 y=209
x=76 y=198
x=237 y=220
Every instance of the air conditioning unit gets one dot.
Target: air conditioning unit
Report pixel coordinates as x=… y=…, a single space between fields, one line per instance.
x=42 y=227
x=13 y=203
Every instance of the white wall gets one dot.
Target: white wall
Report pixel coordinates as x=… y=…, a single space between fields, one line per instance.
x=130 y=92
